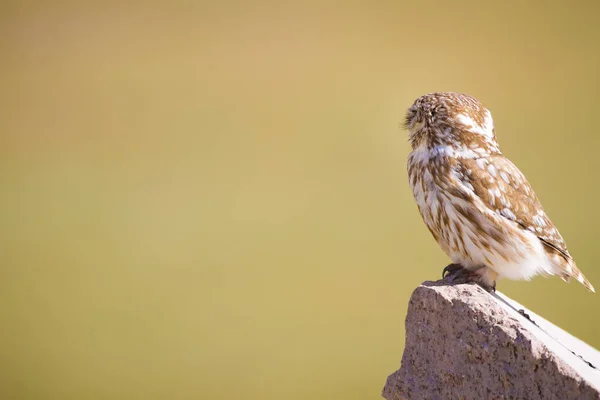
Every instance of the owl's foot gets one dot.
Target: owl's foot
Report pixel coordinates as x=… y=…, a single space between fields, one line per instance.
x=456 y=273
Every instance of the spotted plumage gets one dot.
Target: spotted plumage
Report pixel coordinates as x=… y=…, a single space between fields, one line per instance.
x=476 y=203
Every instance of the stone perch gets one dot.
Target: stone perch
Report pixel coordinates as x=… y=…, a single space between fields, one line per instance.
x=465 y=343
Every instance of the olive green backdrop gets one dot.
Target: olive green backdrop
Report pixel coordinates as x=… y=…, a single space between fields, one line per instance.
x=209 y=200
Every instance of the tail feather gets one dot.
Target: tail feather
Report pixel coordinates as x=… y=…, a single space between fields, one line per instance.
x=566 y=269
x=576 y=273
x=565 y=278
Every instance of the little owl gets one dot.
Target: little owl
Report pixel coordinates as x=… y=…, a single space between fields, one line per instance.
x=478 y=206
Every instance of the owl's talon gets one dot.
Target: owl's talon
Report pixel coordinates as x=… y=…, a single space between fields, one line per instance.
x=451 y=269
x=487 y=288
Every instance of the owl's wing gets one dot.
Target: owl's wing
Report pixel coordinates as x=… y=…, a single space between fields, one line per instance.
x=500 y=185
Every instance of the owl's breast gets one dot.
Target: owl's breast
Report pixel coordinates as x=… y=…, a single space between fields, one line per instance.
x=429 y=182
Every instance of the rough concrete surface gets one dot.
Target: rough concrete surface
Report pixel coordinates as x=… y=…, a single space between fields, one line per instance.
x=462 y=342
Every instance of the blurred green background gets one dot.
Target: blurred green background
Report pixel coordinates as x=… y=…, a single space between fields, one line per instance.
x=209 y=199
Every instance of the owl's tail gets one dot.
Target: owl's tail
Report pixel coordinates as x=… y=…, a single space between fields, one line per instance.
x=573 y=271
x=579 y=276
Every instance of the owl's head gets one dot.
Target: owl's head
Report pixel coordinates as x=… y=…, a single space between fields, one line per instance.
x=450 y=119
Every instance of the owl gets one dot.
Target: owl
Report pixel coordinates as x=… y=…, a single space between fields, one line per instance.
x=476 y=203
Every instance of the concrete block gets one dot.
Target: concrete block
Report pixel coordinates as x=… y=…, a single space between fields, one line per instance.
x=465 y=343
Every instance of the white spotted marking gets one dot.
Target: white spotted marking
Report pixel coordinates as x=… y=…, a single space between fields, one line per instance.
x=538 y=220
x=487 y=129
x=492 y=197
x=508 y=214
x=481 y=163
